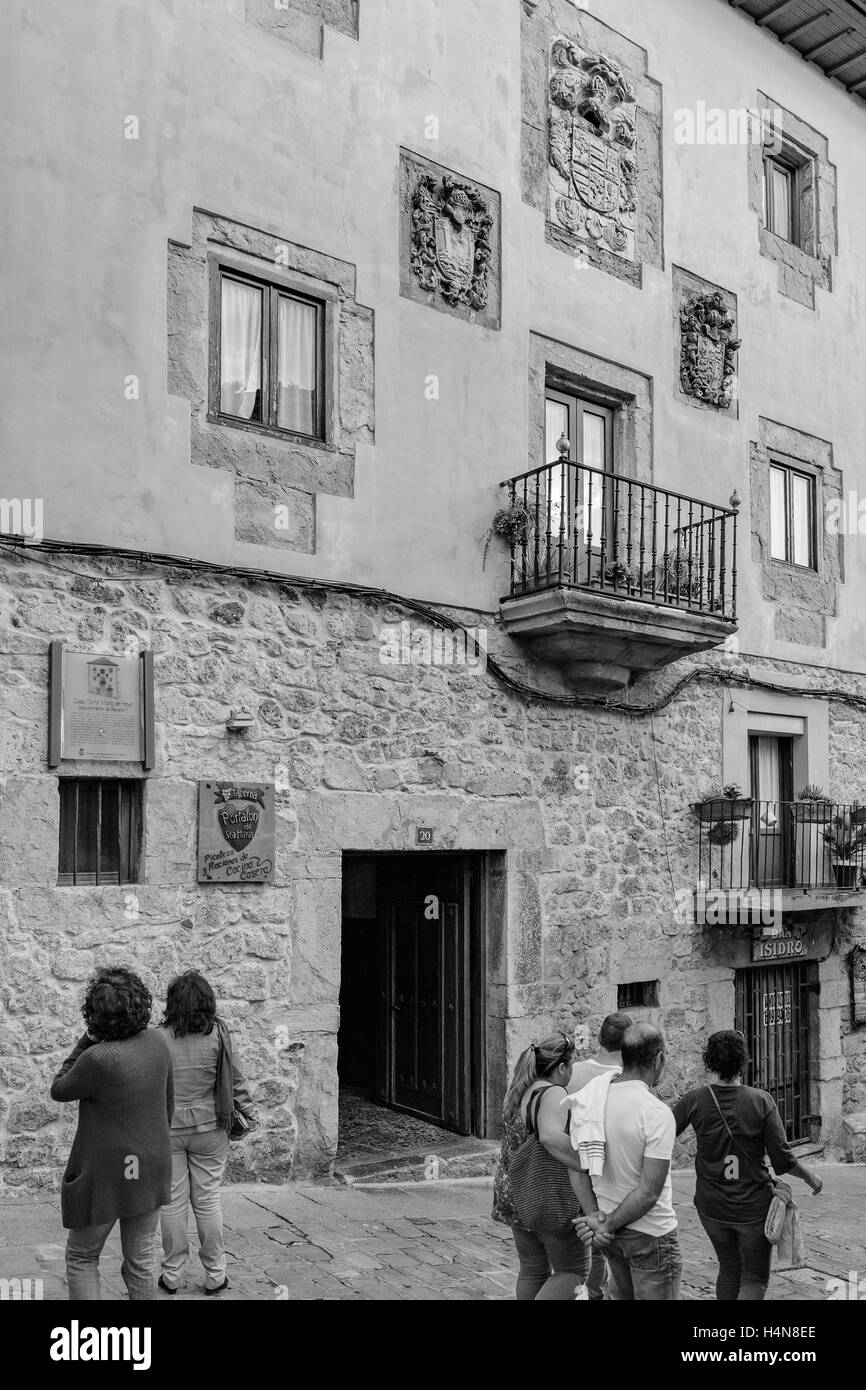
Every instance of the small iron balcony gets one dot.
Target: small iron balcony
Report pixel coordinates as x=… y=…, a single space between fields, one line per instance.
x=612 y=576
x=813 y=851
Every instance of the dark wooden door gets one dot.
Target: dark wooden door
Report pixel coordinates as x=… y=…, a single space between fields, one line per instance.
x=425 y=996
x=772 y=1010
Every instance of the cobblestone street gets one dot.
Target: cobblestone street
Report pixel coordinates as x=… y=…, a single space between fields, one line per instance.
x=416 y=1241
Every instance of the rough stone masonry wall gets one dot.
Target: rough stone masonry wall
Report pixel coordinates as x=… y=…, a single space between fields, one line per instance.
x=367 y=751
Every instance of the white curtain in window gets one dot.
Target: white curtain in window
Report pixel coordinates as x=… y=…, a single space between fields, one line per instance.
x=594 y=427
x=555 y=426
x=777 y=514
x=240 y=349
x=296 y=366
x=769 y=780
x=782 y=203
x=801 y=498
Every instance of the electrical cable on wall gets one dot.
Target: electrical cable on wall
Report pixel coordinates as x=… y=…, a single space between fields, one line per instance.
x=433 y=615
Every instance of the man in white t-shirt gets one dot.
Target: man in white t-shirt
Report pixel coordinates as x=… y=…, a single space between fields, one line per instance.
x=629 y=1209
x=606 y=1059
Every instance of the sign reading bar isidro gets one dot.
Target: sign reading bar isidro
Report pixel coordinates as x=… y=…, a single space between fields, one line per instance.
x=235 y=832
x=777 y=948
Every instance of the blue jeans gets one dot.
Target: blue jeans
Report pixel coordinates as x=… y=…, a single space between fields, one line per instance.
x=598 y=1277
x=138 y=1243
x=643 y=1268
x=552 y=1264
x=197 y=1165
x=745 y=1257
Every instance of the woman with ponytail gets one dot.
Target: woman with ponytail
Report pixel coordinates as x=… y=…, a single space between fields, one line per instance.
x=553 y=1263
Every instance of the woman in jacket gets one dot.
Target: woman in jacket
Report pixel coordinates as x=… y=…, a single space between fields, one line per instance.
x=119 y=1166
x=737 y=1127
x=207 y=1082
x=553 y=1263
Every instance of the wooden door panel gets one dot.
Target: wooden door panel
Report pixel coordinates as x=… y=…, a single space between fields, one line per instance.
x=427 y=991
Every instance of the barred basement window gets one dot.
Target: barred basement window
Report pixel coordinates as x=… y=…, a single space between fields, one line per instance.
x=638 y=994
x=100 y=830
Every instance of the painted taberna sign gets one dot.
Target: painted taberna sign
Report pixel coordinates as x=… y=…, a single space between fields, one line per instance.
x=235 y=832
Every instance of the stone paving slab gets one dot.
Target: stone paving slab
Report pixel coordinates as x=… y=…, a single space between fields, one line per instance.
x=419 y=1241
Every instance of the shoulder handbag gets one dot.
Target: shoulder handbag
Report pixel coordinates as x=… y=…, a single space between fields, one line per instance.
x=783 y=1196
x=239 y=1125
x=544 y=1199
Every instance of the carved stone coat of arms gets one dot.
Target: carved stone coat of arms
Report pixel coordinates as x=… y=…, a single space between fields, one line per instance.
x=592 y=173
x=707 y=350
x=451 y=251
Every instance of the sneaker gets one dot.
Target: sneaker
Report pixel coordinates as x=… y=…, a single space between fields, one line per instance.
x=219 y=1288
x=166 y=1288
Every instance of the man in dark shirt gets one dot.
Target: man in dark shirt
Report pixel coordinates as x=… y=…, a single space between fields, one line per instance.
x=737 y=1128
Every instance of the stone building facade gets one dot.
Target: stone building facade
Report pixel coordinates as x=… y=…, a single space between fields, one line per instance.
x=506 y=748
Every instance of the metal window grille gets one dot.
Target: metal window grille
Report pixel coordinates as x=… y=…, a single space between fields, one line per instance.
x=100 y=830
x=638 y=994
x=772 y=1010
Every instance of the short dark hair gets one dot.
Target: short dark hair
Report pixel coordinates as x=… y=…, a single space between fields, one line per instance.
x=640 y=1047
x=613 y=1030
x=726 y=1054
x=190 y=1004
x=116 y=1004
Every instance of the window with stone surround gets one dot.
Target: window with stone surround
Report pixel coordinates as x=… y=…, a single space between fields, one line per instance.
x=100 y=831
x=286 y=428
x=609 y=409
x=794 y=485
x=268 y=354
x=789 y=194
x=792 y=514
x=792 y=191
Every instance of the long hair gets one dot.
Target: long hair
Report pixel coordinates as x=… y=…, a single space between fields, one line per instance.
x=190 y=1005
x=536 y=1062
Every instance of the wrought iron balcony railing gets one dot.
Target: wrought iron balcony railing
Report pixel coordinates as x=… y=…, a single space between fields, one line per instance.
x=578 y=527
x=782 y=844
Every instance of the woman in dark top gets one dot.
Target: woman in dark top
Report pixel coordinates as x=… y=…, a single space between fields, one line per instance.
x=552 y=1264
x=119 y=1167
x=733 y=1191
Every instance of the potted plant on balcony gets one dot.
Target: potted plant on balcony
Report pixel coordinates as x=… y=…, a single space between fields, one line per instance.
x=620 y=576
x=515 y=523
x=845 y=841
x=729 y=804
x=812 y=805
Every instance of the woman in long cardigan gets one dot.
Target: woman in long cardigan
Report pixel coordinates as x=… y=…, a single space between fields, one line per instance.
x=119 y=1167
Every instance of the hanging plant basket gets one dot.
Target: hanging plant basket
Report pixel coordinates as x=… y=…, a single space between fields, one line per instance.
x=515 y=524
x=814 y=812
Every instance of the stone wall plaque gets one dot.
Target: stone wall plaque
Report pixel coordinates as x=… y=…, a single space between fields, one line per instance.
x=706 y=343
x=593 y=172
x=449 y=241
x=235 y=832
x=707 y=350
x=101 y=708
